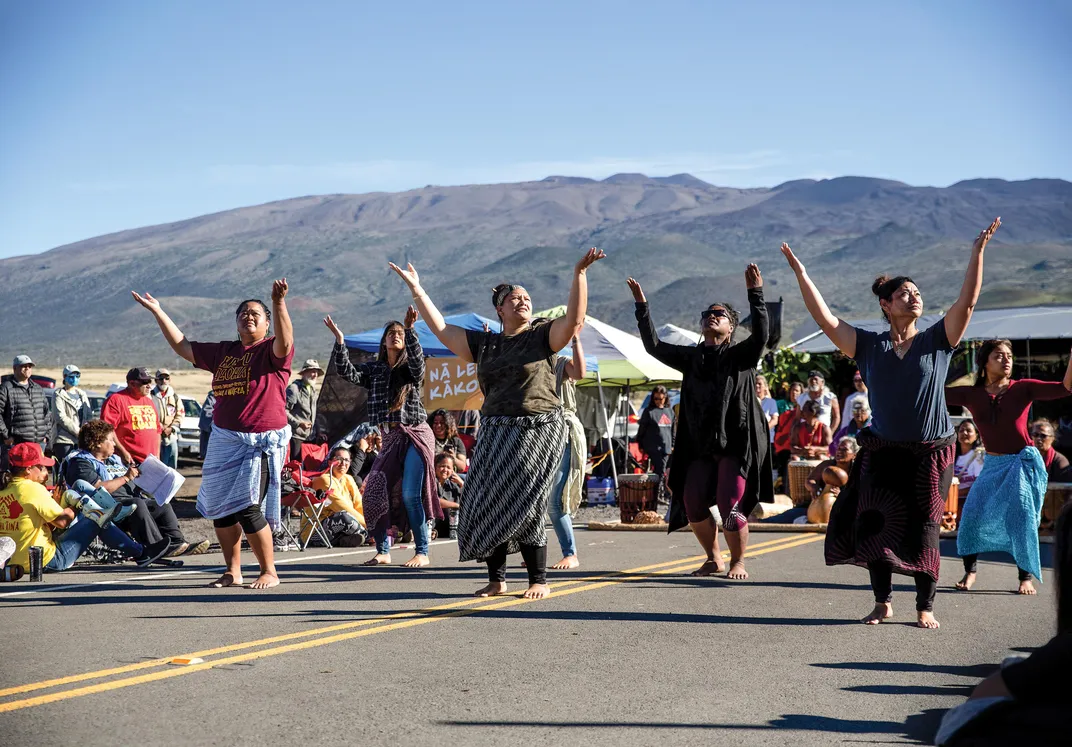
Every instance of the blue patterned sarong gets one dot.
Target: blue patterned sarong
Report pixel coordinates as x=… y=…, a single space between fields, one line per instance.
x=1004 y=508
x=232 y=473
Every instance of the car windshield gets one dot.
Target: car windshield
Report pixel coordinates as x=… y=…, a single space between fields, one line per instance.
x=192 y=407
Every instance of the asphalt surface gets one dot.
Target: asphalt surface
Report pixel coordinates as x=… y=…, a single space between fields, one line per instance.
x=378 y=656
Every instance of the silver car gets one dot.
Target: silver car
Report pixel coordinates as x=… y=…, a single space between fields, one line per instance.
x=189 y=432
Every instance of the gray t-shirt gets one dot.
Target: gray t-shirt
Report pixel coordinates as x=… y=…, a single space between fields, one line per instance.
x=516 y=372
x=907 y=395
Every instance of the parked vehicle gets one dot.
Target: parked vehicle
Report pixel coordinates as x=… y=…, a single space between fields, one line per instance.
x=189 y=433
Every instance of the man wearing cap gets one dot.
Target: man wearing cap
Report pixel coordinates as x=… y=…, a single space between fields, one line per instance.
x=301 y=405
x=72 y=410
x=859 y=394
x=130 y=411
x=24 y=412
x=169 y=412
x=829 y=411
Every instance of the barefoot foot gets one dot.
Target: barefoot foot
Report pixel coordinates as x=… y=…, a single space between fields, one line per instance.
x=265 y=581
x=567 y=563
x=1026 y=587
x=379 y=560
x=966 y=583
x=538 y=591
x=417 y=561
x=494 y=589
x=709 y=568
x=927 y=620
x=227 y=579
x=880 y=613
x=737 y=571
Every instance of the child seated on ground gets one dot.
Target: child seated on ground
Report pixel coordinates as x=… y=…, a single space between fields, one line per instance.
x=450 y=495
x=343 y=518
x=28 y=514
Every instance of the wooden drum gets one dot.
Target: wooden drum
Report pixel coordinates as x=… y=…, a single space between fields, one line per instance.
x=1057 y=493
x=798 y=480
x=952 y=506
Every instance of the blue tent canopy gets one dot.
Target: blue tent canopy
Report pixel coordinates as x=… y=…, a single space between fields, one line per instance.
x=370 y=341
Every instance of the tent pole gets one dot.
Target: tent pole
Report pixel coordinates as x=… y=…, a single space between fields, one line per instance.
x=609 y=431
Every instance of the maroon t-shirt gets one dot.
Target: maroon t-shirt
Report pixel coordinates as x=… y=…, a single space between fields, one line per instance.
x=1002 y=420
x=250 y=384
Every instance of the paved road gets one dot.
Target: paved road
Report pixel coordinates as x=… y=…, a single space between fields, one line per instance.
x=341 y=654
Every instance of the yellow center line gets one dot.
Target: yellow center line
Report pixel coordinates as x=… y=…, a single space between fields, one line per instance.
x=405 y=620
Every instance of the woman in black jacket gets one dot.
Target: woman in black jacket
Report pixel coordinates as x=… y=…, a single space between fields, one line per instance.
x=722 y=454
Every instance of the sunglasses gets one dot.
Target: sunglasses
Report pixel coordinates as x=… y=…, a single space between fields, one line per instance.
x=163 y=378
x=143 y=382
x=1040 y=434
x=717 y=313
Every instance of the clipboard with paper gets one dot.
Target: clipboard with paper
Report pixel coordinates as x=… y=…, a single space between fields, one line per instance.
x=158 y=480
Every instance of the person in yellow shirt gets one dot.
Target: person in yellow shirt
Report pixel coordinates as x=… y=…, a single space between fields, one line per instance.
x=343 y=518
x=28 y=514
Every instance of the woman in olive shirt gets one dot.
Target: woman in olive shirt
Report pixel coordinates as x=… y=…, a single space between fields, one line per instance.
x=521 y=456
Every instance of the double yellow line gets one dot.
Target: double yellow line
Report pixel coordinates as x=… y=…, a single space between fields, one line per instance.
x=323 y=636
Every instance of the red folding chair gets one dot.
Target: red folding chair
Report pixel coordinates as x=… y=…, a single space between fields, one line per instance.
x=309 y=503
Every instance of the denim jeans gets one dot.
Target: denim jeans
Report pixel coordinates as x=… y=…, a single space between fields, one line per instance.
x=560 y=520
x=413 y=501
x=74 y=541
x=169 y=454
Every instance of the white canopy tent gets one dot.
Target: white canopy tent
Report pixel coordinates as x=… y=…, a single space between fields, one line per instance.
x=675 y=335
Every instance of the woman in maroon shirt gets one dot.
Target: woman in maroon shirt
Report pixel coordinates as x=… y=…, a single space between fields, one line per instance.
x=996 y=508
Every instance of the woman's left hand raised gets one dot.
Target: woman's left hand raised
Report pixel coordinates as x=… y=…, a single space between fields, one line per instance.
x=279 y=290
x=752 y=277
x=590 y=257
x=409 y=274
x=986 y=234
x=411 y=316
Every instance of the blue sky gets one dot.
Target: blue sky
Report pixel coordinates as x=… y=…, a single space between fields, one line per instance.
x=122 y=114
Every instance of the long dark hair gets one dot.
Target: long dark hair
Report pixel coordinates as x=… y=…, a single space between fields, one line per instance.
x=399 y=384
x=1062 y=568
x=978 y=443
x=658 y=389
x=448 y=421
x=884 y=287
x=982 y=355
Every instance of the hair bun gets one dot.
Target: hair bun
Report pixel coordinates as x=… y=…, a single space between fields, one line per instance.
x=880 y=281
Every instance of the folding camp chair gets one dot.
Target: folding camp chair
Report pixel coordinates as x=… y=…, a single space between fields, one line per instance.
x=303 y=498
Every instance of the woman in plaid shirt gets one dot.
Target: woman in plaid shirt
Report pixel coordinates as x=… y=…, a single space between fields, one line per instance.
x=405 y=468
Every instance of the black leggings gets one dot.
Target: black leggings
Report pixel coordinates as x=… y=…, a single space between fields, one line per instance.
x=970 y=562
x=535 y=562
x=882 y=585
x=251 y=518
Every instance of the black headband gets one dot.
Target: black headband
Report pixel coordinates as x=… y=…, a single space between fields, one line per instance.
x=502 y=293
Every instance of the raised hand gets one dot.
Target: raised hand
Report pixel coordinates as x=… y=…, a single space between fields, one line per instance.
x=279 y=290
x=752 y=277
x=794 y=263
x=147 y=301
x=590 y=257
x=411 y=316
x=409 y=274
x=638 y=292
x=330 y=324
x=985 y=235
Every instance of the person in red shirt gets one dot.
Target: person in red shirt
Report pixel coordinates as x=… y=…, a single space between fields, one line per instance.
x=249 y=426
x=131 y=412
x=1012 y=466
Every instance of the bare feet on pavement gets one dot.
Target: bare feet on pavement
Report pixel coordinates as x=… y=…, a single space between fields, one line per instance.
x=966 y=583
x=1026 y=587
x=417 y=561
x=927 y=620
x=379 y=560
x=567 y=563
x=227 y=579
x=709 y=568
x=737 y=571
x=265 y=581
x=538 y=591
x=494 y=589
x=880 y=613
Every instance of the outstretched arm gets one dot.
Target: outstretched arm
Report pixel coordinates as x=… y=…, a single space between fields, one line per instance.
x=450 y=335
x=841 y=333
x=284 y=330
x=675 y=356
x=414 y=351
x=960 y=313
x=576 y=367
x=176 y=339
x=752 y=348
x=566 y=327
x=357 y=375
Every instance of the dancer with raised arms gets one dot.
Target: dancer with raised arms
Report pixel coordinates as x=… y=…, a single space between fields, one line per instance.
x=404 y=471
x=723 y=451
x=249 y=379
x=520 y=460
x=887 y=519
x=1003 y=510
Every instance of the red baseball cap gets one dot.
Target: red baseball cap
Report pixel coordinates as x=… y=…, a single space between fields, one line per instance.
x=28 y=455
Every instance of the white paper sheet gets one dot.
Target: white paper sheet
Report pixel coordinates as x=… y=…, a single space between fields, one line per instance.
x=159 y=480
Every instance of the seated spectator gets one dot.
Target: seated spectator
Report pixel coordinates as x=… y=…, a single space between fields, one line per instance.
x=1057 y=466
x=861 y=418
x=445 y=430
x=364 y=443
x=783 y=432
x=970 y=457
x=844 y=455
x=1026 y=700
x=810 y=437
x=450 y=495
x=96 y=462
x=343 y=517
x=28 y=512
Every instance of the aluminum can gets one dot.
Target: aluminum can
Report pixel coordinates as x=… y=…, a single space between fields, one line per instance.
x=37 y=558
